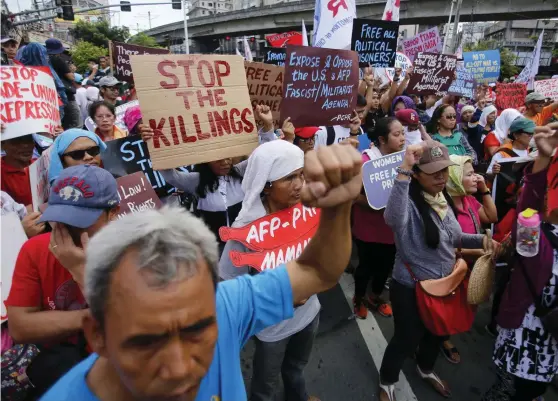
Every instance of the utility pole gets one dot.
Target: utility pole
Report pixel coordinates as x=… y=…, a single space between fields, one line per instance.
x=446 y=31
x=137 y=24
x=149 y=16
x=455 y=26
x=186 y=43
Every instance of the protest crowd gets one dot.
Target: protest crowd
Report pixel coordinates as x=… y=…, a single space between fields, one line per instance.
x=152 y=228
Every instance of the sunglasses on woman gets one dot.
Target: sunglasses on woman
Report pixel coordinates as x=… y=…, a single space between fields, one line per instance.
x=80 y=153
x=451 y=117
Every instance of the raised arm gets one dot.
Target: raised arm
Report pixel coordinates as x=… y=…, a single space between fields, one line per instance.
x=333 y=180
x=183 y=181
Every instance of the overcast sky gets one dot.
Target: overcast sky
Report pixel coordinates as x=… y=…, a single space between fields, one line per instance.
x=160 y=14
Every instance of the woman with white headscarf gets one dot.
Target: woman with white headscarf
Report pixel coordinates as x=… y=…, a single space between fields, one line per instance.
x=272 y=182
x=488 y=139
x=503 y=123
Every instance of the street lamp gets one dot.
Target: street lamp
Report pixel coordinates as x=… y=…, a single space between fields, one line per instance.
x=186 y=43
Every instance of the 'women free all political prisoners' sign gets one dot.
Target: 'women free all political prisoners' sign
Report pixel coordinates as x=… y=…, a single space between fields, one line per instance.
x=378 y=176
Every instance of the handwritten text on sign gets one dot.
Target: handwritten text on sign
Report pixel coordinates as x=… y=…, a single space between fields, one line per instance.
x=484 y=65
x=198 y=107
x=426 y=41
x=378 y=176
x=548 y=88
x=275 y=56
x=29 y=101
x=38 y=179
x=510 y=96
x=464 y=85
x=320 y=86
x=121 y=53
x=265 y=86
x=274 y=239
x=136 y=194
x=433 y=74
x=375 y=42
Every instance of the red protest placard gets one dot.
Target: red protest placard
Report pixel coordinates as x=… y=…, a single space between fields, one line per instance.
x=274 y=239
x=510 y=96
x=552 y=193
x=284 y=39
x=29 y=101
x=136 y=194
x=198 y=107
x=320 y=86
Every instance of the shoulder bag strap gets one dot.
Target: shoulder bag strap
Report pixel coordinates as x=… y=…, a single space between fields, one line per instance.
x=475 y=222
x=508 y=151
x=415 y=279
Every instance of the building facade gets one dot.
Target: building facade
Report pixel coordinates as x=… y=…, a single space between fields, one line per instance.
x=205 y=8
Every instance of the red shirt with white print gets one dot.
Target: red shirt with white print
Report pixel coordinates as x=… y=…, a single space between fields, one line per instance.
x=39 y=280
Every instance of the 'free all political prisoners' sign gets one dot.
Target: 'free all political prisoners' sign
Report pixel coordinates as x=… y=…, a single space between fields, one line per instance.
x=378 y=176
x=320 y=86
x=265 y=86
x=198 y=107
x=273 y=239
x=29 y=101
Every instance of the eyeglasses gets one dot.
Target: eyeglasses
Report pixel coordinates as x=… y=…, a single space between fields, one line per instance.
x=307 y=140
x=80 y=153
x=104 y=117
x=451 y=117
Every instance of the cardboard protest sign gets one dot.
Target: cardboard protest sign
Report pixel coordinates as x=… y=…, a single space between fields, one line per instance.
x=275 y=56
x=378 y=176
x=38 y=179
x=401 y=61
x=375 y=42
x=274 y=239
x=198 y=107
x=510 y=96
x=464 y=85
x=426 y=41
x=265 y=86
x=121 y=53
x=136 y=194
x=129 y=155
x=547 y=88
x=320 y=86
x=284 y=39
x=552 y=191
x=433 y=74
x=29 y=101
x=484 y=65
x=13 y=238
x=119 y=122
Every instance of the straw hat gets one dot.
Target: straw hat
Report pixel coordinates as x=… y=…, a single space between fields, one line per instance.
x=482 y=276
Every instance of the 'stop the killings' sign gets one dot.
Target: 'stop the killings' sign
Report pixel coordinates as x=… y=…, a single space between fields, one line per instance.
x=274 y=239
x=29 y=101
x=320 y=86
x=121 y=53
x=378 y=176
x=198 y=107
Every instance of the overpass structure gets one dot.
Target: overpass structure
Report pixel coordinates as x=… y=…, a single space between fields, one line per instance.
x=288 y=16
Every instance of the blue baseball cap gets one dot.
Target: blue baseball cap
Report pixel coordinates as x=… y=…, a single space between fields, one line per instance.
x=79 y=196
x=78 y=77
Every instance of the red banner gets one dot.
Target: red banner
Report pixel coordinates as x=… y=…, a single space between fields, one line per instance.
x=510 y=96
x=552 y=192
x=283 y=39
x=274 y=239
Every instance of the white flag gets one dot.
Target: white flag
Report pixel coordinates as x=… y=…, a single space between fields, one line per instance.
x=531 y=69
x=333 y=23
x=238 y=52
x=304 y=35
x=247 y=51
x=391 y=12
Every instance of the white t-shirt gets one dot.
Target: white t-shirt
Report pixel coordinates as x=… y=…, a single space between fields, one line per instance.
x=499 y=157
x=412 y=137
x=341 y=133
x=81 y=100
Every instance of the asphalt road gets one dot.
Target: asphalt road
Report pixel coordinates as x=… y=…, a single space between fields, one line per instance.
x=347 y=354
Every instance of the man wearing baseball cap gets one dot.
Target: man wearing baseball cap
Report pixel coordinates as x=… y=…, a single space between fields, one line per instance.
x=110 y=90
x=535 y=110
x=414 y=130
x=9 y=47
x=46 y=305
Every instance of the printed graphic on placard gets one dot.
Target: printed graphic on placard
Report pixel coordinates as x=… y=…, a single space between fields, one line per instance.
x=119 y=111
x=464 y=85
x=375 y=42
x=265 y=86
x=29 y=101
x=433 y=74
x=129 y=155
x=548 y=88
x=38 y=179
x=136 y=194
x=427 y=41
x=121 y=53
x=275 y=56
x=274 y=239
x=13 y=238
x=485 y=65
x=320 y=86
x=284 y=39
x=198 y=107
x=378 y=176
x=510 y=96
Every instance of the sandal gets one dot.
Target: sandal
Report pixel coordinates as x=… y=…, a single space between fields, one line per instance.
x=439 y=385
x=451 y=354
x=387 y=392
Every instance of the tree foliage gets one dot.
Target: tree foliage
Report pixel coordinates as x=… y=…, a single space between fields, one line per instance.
x=82 y=51
x=507 y=58
x=142 y=39
x=99 y=33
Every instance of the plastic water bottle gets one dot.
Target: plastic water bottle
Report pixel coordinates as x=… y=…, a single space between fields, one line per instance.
x=528 y=233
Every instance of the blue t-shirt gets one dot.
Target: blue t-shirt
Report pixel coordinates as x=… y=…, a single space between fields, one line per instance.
x=245 y=306
x=363 y=142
